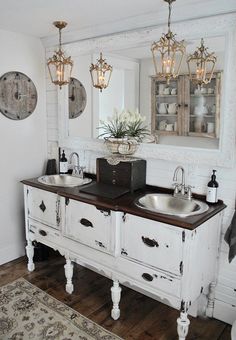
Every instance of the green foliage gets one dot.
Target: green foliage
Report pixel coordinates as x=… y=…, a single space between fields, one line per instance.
x=124 y=125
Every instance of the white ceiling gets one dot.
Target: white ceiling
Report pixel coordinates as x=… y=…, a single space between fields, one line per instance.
x=95 y=18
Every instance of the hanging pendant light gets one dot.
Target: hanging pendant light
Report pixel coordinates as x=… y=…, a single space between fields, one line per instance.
x=168 y=53
x=201 y=65
x=100 y=73
x=59 y=65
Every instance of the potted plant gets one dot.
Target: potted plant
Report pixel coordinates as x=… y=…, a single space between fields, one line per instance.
x=134 y=125
x=123 y=131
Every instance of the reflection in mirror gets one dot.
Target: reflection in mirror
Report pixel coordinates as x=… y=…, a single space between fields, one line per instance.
x=172 y=112
x=77 y=98
x=82 y=125
x=122 y=93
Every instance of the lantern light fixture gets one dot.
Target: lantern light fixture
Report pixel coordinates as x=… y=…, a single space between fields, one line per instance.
x=60 y=66
x=168 y=52
x=100 y=73
x=201 y=65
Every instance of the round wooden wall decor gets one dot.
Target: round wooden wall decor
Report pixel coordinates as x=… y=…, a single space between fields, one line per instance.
x=77 y=98
x=18 y=95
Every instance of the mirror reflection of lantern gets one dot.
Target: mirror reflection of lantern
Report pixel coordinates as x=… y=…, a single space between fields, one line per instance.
x=100 y=73
x=201 y=65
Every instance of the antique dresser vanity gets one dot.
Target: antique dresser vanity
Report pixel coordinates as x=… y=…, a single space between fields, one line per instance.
x=172 y=260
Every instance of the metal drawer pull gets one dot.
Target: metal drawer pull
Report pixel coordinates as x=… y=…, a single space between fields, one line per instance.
x=100 y=244
x=147 y=277
x=86 y=222
x=149 y=242
x=42 y=206
x=42 y=233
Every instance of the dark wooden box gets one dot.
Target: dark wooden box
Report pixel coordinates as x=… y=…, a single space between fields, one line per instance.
x=129 y=174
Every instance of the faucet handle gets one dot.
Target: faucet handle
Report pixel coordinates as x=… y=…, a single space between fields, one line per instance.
x=176 y=187
x=188 y=189
x=81 y=171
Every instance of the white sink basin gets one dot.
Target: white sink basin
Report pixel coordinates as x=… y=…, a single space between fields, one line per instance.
x=170 y=205
x=63 y=180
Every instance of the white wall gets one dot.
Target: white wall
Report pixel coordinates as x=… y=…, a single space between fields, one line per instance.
x=23 y=143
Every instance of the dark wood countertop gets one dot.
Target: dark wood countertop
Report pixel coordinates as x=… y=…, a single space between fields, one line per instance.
x=126 y=203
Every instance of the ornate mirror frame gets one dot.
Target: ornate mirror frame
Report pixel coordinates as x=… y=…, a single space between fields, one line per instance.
x=222 y=25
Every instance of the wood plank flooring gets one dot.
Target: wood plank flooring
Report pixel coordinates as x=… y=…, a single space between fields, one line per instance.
x=141 y=318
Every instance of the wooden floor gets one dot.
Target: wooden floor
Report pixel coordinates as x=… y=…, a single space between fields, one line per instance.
x=141 y=318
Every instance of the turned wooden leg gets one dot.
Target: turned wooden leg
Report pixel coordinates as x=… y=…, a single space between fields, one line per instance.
x=115 y=296
x=69 y=274
x=183 y=325
x=211 y=299
x=30 y=254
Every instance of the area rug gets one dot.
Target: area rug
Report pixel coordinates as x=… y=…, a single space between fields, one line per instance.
x=28 y=313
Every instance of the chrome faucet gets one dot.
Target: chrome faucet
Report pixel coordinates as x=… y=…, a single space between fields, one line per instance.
x=180 y=189
x=77 y=170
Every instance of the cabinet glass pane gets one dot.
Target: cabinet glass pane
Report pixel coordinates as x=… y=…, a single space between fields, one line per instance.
x=165 y=107
x=202 y=120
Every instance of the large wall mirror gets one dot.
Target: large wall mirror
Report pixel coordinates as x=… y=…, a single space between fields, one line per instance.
x=134 y=86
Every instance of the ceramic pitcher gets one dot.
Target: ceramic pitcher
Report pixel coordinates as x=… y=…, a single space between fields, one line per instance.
x=163 y=108
x=172 y=108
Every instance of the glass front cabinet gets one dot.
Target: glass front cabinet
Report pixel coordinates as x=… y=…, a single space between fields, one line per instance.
x=183 y=109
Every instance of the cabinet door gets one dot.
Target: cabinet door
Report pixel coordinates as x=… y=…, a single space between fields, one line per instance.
x=152 y=243
x=88 y=225
x=166 y=106
x=203 y=119
x=43 y=206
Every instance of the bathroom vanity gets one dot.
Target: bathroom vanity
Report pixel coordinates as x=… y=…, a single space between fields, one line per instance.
x=171 y=259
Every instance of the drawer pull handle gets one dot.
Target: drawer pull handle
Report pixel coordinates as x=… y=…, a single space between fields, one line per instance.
x=149 y=242
x=100 y=244
x=147 y=277
x=86 y=223
x=42 y=206
x=42 y=233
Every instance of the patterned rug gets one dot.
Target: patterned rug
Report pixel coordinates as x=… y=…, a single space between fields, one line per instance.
x=26 y=313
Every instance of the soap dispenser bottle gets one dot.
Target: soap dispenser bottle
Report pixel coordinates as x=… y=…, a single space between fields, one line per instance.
x=63 y=163
x=212 y=189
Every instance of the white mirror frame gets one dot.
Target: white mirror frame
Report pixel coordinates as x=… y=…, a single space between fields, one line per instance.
x=222 y=25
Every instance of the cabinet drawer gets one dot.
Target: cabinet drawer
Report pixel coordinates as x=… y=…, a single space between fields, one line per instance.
x=157 y=280
x=227 y=271
x=44 y=206
x=42 y=233
x=226 y=294
x=88 y=225
x=152 y=243
x=224 y=312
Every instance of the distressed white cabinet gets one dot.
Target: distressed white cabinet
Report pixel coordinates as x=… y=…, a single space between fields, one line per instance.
x=43 y=206
x=225 y=298
x=88 y=225
x=168 y=263
x=174 y=263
